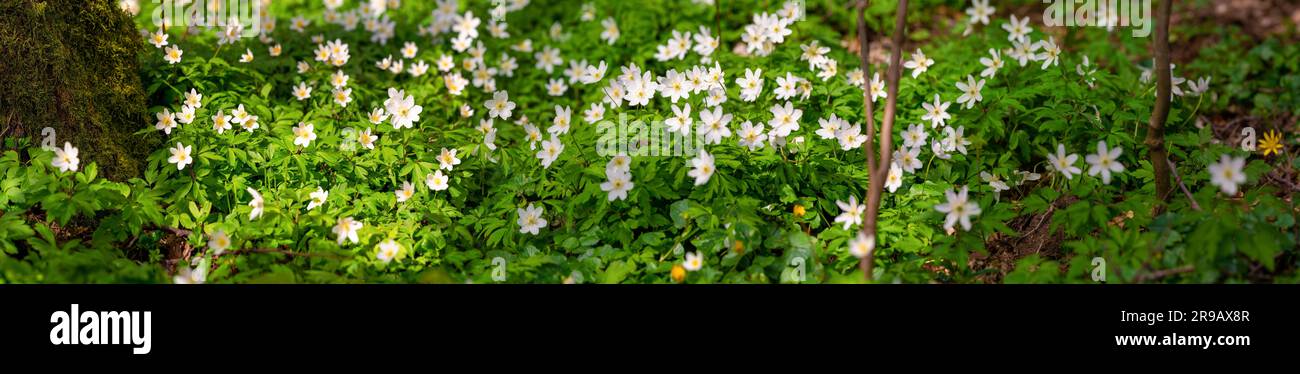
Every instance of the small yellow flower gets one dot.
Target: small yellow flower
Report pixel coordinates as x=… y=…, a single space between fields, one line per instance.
x=679 y=273
x=799 y=211
x=738 y=248
x=1272 y=143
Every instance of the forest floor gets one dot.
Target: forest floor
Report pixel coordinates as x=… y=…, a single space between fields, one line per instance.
x=1259 y=19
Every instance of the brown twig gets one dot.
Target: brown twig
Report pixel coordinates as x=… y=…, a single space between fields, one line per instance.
x=8 y=120
x=1160 y=274
x=1042 y=219
x=187 y=249
x=1273 y=175
x=283 y=251
x=177 y=232
x=1174 y=169
x=1155 y=140
x=878 y=168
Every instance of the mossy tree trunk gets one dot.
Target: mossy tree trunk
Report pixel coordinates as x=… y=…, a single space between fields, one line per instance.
x=73 y=65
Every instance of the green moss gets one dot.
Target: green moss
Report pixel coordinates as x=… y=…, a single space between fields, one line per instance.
x=73 y=65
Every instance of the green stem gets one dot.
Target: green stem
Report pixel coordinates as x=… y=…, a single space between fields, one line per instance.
x=1195 y=110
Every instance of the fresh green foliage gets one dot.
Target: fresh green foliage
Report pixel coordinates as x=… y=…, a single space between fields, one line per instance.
x=767 y=215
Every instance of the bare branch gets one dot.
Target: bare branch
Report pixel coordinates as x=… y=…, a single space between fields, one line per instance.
x=877 y=168
x=891 y=79
x=864 y=48
x=283 y=251
x=1291 y=186
x=1174 y=169
x=1161 y=274
x=1155 y=140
